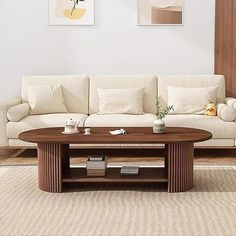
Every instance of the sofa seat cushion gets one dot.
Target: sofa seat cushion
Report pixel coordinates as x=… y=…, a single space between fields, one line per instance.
x=42 y=121
x=191 y=81
x=75 y=89
x=46 y=99
x=120 y=120
x=121 y=101
x=191 y=100
x=148 y=82
x=213 y=124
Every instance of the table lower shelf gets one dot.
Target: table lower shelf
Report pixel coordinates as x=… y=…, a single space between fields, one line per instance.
x=146 y=175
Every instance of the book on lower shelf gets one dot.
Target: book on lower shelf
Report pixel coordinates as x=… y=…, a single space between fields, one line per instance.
x=97 y=158
x=129 y=170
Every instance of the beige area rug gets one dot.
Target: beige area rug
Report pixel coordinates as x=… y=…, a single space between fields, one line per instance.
x=208 y=209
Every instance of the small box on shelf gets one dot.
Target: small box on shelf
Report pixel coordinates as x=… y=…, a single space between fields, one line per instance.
x=96 y=165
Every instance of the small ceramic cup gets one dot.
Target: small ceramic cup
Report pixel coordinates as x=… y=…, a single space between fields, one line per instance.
x=87 y=131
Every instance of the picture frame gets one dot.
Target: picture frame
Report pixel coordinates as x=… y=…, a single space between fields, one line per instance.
x=71 y=12
x=160 y=12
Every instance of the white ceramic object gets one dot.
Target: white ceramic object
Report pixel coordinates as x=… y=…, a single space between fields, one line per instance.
x=87 y=131
x=75 y=132
x=165 y=3
x=71 y=127
x=159 y=126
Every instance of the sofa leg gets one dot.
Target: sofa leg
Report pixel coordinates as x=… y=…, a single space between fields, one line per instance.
x=7 y=152
x=17 y=153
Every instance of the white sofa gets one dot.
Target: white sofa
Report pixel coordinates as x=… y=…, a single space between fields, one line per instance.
x=81 y=100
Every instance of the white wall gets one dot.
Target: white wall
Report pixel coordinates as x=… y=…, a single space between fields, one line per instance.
x=116 y=45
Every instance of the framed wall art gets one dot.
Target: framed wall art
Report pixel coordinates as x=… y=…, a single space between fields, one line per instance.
x=160 y=12
x=71 y=12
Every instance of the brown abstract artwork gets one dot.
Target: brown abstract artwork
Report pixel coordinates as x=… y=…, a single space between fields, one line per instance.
x=160 y=12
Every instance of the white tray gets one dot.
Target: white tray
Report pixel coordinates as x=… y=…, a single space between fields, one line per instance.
x=76 y=132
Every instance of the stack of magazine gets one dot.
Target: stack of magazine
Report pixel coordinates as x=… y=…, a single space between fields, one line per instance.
x=96 y=165
x=129 y=170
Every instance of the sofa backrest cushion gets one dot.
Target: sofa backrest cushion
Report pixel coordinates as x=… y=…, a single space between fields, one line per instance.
x=75 y=90
x=191 y=81
x=148 y=82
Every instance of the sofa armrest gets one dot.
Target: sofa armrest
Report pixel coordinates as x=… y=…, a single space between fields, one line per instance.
x=18 y=112
x=231 y=102
x=226 y=113
x=4 y=106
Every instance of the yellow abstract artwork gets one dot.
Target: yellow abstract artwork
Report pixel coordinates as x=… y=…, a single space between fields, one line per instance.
x=77 y=14
x=71 y=12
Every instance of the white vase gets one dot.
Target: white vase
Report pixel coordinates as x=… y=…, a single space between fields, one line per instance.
x=159 y=126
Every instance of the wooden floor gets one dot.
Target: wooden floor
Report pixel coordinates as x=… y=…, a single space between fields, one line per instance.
x=29 y=157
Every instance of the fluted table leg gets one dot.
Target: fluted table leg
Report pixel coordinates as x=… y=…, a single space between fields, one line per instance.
x=52 y=160
x=179 y=160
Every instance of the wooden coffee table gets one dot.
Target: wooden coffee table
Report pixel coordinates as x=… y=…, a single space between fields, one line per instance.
x=54 y=160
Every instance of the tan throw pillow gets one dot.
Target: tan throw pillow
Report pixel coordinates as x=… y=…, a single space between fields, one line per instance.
x=45 y=99
x=121 y=101
x=191 y=100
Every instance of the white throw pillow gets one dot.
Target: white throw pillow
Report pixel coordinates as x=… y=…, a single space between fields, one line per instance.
x=45 y=99
x=121 y=101
x=226 y=113
x=191 y=100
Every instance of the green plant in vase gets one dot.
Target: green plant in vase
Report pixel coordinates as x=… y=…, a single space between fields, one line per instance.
x=159 y=125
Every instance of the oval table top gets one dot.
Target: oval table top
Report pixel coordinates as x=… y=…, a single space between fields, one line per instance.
x=135 y=135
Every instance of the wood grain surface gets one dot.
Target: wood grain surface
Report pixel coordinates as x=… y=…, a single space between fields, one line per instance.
x=225 y=43
x=141 y=135
x=54 y=158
